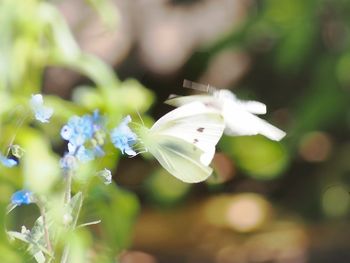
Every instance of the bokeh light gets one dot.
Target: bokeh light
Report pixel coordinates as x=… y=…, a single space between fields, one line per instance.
x=136 y=257
x=244 y=212
x=247 y=212
x=224 y=169
x=336 y=201
x=164 y=189
x=315 y=146
x=257 y=156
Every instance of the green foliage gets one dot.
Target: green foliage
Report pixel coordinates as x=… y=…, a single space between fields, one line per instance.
x=117 y=210
x=34 y=36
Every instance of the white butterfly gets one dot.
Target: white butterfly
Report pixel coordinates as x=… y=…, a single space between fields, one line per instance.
x=183 y=141
x=238 y=114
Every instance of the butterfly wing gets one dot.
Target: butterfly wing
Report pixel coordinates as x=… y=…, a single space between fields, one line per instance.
x=227 y=96
x=238 y=114
x=255 y=107
x=242 y=122
x=196 y=124
x=207 y=100
x=180 y=158
x=183 y=141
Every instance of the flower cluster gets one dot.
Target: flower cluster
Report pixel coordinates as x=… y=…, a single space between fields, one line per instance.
x=85 y=136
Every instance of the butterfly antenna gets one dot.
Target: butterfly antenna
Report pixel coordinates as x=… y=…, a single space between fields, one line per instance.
x=138 y=114
x=197 y=86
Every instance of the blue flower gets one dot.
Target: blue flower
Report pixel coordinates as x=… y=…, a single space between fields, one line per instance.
x=78 y=130
x=68 y=162
x=85 y=136
x=22 y=197
x=123 y=138
x=7 y=161
x=42 y=113
x=84 y=155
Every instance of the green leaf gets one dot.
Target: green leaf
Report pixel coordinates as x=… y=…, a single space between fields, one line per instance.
x=75 y=205
x=37 y=239
x=18 y=235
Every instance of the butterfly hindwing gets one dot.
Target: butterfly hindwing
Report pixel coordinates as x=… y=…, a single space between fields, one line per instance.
x=253 y=125
x=180 y=158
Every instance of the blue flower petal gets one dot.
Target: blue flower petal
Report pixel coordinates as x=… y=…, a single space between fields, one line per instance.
x=42 y=113
x=22 y=197
x=98 y=151
x=66 y=132
x=85 y=136
x=123 y=138
x=7 y=161
x=84 y=155
x=68 y=162
x=78 y=130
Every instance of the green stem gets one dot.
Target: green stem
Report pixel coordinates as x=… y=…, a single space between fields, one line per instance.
x=46 y=228
x=67 y=199
x=68 y=189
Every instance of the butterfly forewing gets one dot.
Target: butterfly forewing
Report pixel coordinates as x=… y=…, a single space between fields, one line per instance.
x=196 y=124
x=234 y=117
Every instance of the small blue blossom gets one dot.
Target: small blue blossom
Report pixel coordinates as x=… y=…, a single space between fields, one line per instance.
x=68 y=162
x=84 y=155
x=22 y=197
x=123 y=138
x=42 y=113
x=78 y=130
x=85 y=136
x=7 y=161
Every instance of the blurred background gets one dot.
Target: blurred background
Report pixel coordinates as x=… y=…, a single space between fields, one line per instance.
x=285 y=202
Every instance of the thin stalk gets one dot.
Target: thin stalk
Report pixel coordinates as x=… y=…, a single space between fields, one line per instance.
x=68 y=188
x=46 y=228
x=73 y=226
x=67 y=199
x=65 y=254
